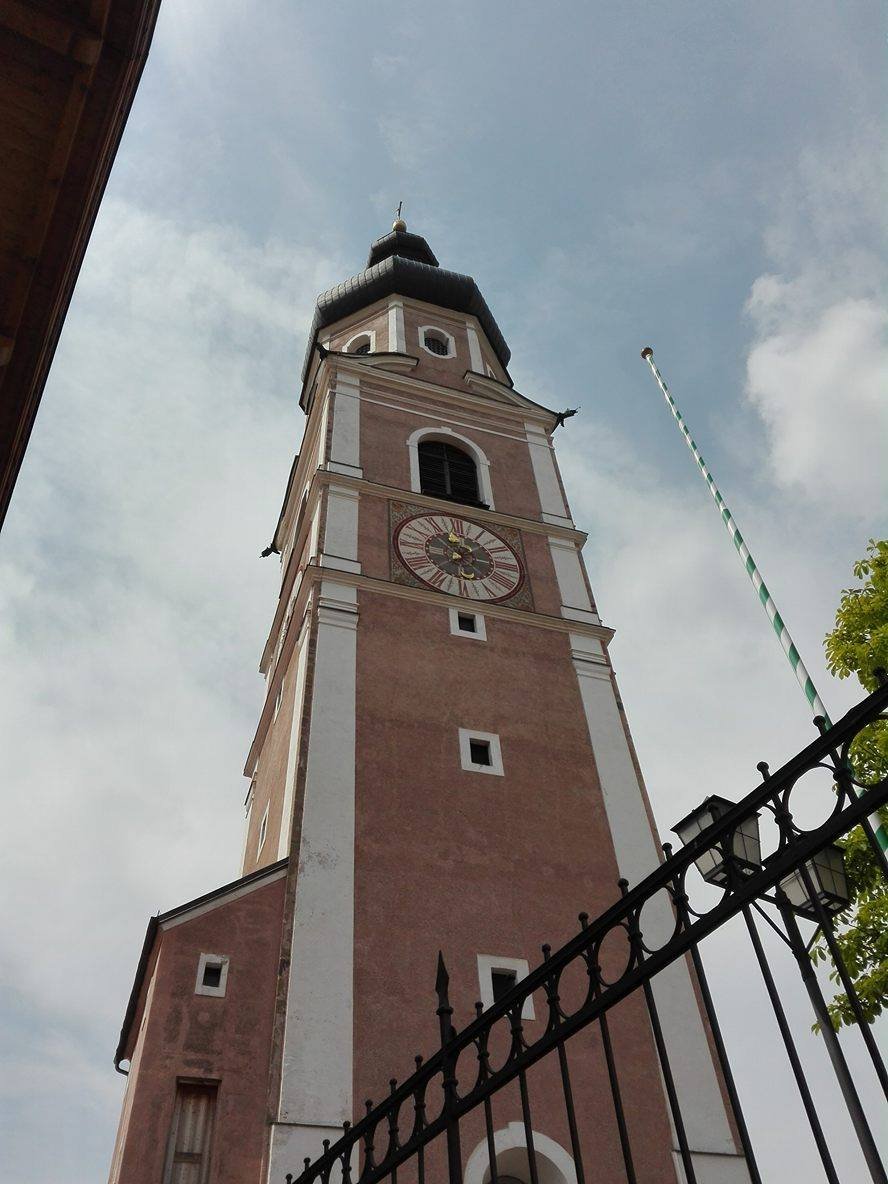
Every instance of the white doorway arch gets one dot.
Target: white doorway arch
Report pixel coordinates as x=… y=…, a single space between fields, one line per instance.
x=554 y=1165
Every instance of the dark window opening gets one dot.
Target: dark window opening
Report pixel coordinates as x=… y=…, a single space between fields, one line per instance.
x=363 y=348
x=467 y=622
x=436 y=345
x=502 y=982
x=212 y=975
x=479 y=752
x=448 y=472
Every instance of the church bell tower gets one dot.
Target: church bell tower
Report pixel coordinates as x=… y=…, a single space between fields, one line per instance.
x=442 y=761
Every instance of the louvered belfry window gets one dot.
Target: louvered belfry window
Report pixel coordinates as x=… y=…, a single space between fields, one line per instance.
x=189 y=1149
x=445 y=471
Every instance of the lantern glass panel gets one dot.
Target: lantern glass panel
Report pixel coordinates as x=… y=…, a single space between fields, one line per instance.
x=827 y=874
x=745 y=843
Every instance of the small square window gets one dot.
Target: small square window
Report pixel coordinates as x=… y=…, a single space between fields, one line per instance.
x=502 y=982
x=464 y=623
x=479 y=752
x=497 y=976
x=212 y=975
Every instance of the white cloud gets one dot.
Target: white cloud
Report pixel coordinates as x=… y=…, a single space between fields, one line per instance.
x=818 y=362
x=134 y=606
x=820 y=390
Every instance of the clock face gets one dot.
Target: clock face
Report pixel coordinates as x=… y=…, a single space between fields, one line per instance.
x=460 y=557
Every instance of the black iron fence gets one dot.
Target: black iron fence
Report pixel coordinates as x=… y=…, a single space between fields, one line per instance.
x=777 y=847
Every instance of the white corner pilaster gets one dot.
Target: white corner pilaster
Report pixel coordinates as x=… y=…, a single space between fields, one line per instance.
x=706 y=1121
x=475 y=359
x=397 y=335
x=552 y=504
x=575 y=602
x=340 y=548
x=300 y=656
x=316 y=1077
x=345 y=446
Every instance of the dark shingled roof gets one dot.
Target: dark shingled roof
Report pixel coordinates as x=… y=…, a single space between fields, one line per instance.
x=403 y=264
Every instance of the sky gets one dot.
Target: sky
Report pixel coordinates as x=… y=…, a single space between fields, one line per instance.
x=703 y=179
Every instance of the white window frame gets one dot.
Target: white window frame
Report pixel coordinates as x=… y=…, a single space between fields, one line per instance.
x=263 y=829
x=220 y=960
x=480 y=633
x=358 y=339
x=466 y=735
x=278 y=699
x=438 y=331
x=449 y=436
x=487 y=964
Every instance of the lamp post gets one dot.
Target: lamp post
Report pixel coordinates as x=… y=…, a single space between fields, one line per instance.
x=817 y=889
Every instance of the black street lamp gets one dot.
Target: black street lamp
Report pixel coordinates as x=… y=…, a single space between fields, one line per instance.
x=828 y=879
x=745 y=855
x=817 y=889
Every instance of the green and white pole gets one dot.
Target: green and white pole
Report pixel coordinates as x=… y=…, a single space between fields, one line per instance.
x=789 y=647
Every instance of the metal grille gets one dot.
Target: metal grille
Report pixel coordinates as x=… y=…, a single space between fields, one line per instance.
x=445 y=471
x=417 y=1128
x=436 y=346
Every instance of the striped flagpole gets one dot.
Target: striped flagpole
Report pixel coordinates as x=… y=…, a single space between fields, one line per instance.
x=789 y=648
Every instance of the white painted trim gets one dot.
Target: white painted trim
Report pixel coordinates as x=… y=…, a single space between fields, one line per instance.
x=397 y=337
x=220 y=960
x=575 y=602
x=475 y=359
x=316 y=1071
x=345 y=445
x=259 y=881
x=554 y=1164
x=301 y=651
x=248 y=813
x=449 y=436
x=278 y=699
x=542 y=460
x=713 y=1169
x=341 y=529
x=357 y=339
x=263 y=829
x=637 y=855
x=436 y=330
x=480 y=633
x=466 y=735
x=487 y=963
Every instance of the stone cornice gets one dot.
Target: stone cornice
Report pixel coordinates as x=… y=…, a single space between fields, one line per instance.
x=313 y=575
x=528 y=525
x=507 y=400
x=322 y=478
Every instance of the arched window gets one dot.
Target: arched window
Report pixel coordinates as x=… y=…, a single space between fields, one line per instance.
x=361 y=343
x=445 y=471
